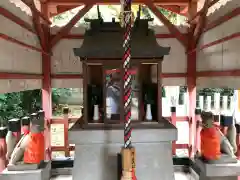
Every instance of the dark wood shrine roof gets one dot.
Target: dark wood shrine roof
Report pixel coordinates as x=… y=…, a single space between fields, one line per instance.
x=104 y=40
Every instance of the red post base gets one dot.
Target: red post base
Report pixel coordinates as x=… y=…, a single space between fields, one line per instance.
x=174 y=122
x=134 y=175
x=3 y=151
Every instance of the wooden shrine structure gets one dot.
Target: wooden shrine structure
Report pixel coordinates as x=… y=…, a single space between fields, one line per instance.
x=36 y=55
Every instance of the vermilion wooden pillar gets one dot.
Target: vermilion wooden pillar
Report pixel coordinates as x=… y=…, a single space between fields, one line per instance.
x=46 y=84
x=174 y=122
x=3 y=148
x=191 y=79
x=191 y=84
x=197 y=140
x=66 y=124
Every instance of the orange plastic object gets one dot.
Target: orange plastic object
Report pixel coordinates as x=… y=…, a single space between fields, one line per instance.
x=210 y=143
x=34 y=152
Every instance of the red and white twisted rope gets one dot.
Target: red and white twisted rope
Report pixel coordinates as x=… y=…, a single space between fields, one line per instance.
x=127 y=15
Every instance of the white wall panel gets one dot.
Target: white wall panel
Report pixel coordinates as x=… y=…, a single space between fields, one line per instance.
x=176 y=61
x=67 y=83
x=214 y=82
x=15 y=58
x=16 y=85
x=174 y=81
x=64 y=60
x=15 y=10
x=18 y=59
x=223 y=56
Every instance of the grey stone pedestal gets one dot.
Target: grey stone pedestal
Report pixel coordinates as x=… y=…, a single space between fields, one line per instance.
x=40 y=174
x=96 y=151
x=229 y=171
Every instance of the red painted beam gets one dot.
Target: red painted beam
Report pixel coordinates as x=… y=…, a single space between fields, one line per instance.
x=46 y=84
x=80 y=76
x=62 y=9
x=31 y=5
x=202 y=10
x=37 y=25
x=173 y=8
x=165 y=36
x=67 y=28
x=201 y=23
x=81 y=36
x=184 y=11
x=182 y=38
x=81 y=2
x=4 y=12
x=5 y=75
x=182 y=146
x=173 y=75
x=191 y=76
x=10 y=39
x=224 y=73
x=67 y=76
x=227 y=38
x=222 y=19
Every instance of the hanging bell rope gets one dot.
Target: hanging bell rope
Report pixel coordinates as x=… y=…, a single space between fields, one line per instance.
x=127 y=79
x=128 y=158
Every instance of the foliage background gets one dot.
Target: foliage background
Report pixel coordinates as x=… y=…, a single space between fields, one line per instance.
x=19 y=104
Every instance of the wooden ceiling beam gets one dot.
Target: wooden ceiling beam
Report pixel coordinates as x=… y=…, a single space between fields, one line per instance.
x=210 y=4
x=81 y=2
x=67 y=28
x=173 y=8
x=192 y=9
x=37 y=23
x=61 y=9
x=34 y=10
x=202 y=22
x=172 y=28
x=7 y=14
x=222 y=19
x=184 y=11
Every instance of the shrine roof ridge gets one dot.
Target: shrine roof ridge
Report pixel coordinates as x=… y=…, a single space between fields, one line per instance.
x=104 y=40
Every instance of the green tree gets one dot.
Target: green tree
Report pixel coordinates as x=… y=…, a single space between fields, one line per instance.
x=18 y=104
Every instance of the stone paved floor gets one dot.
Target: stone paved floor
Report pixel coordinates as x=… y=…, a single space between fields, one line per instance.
x=178 y=176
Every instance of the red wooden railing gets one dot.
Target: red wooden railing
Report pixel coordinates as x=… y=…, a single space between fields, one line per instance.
x=67 y=148
x=192 y=146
